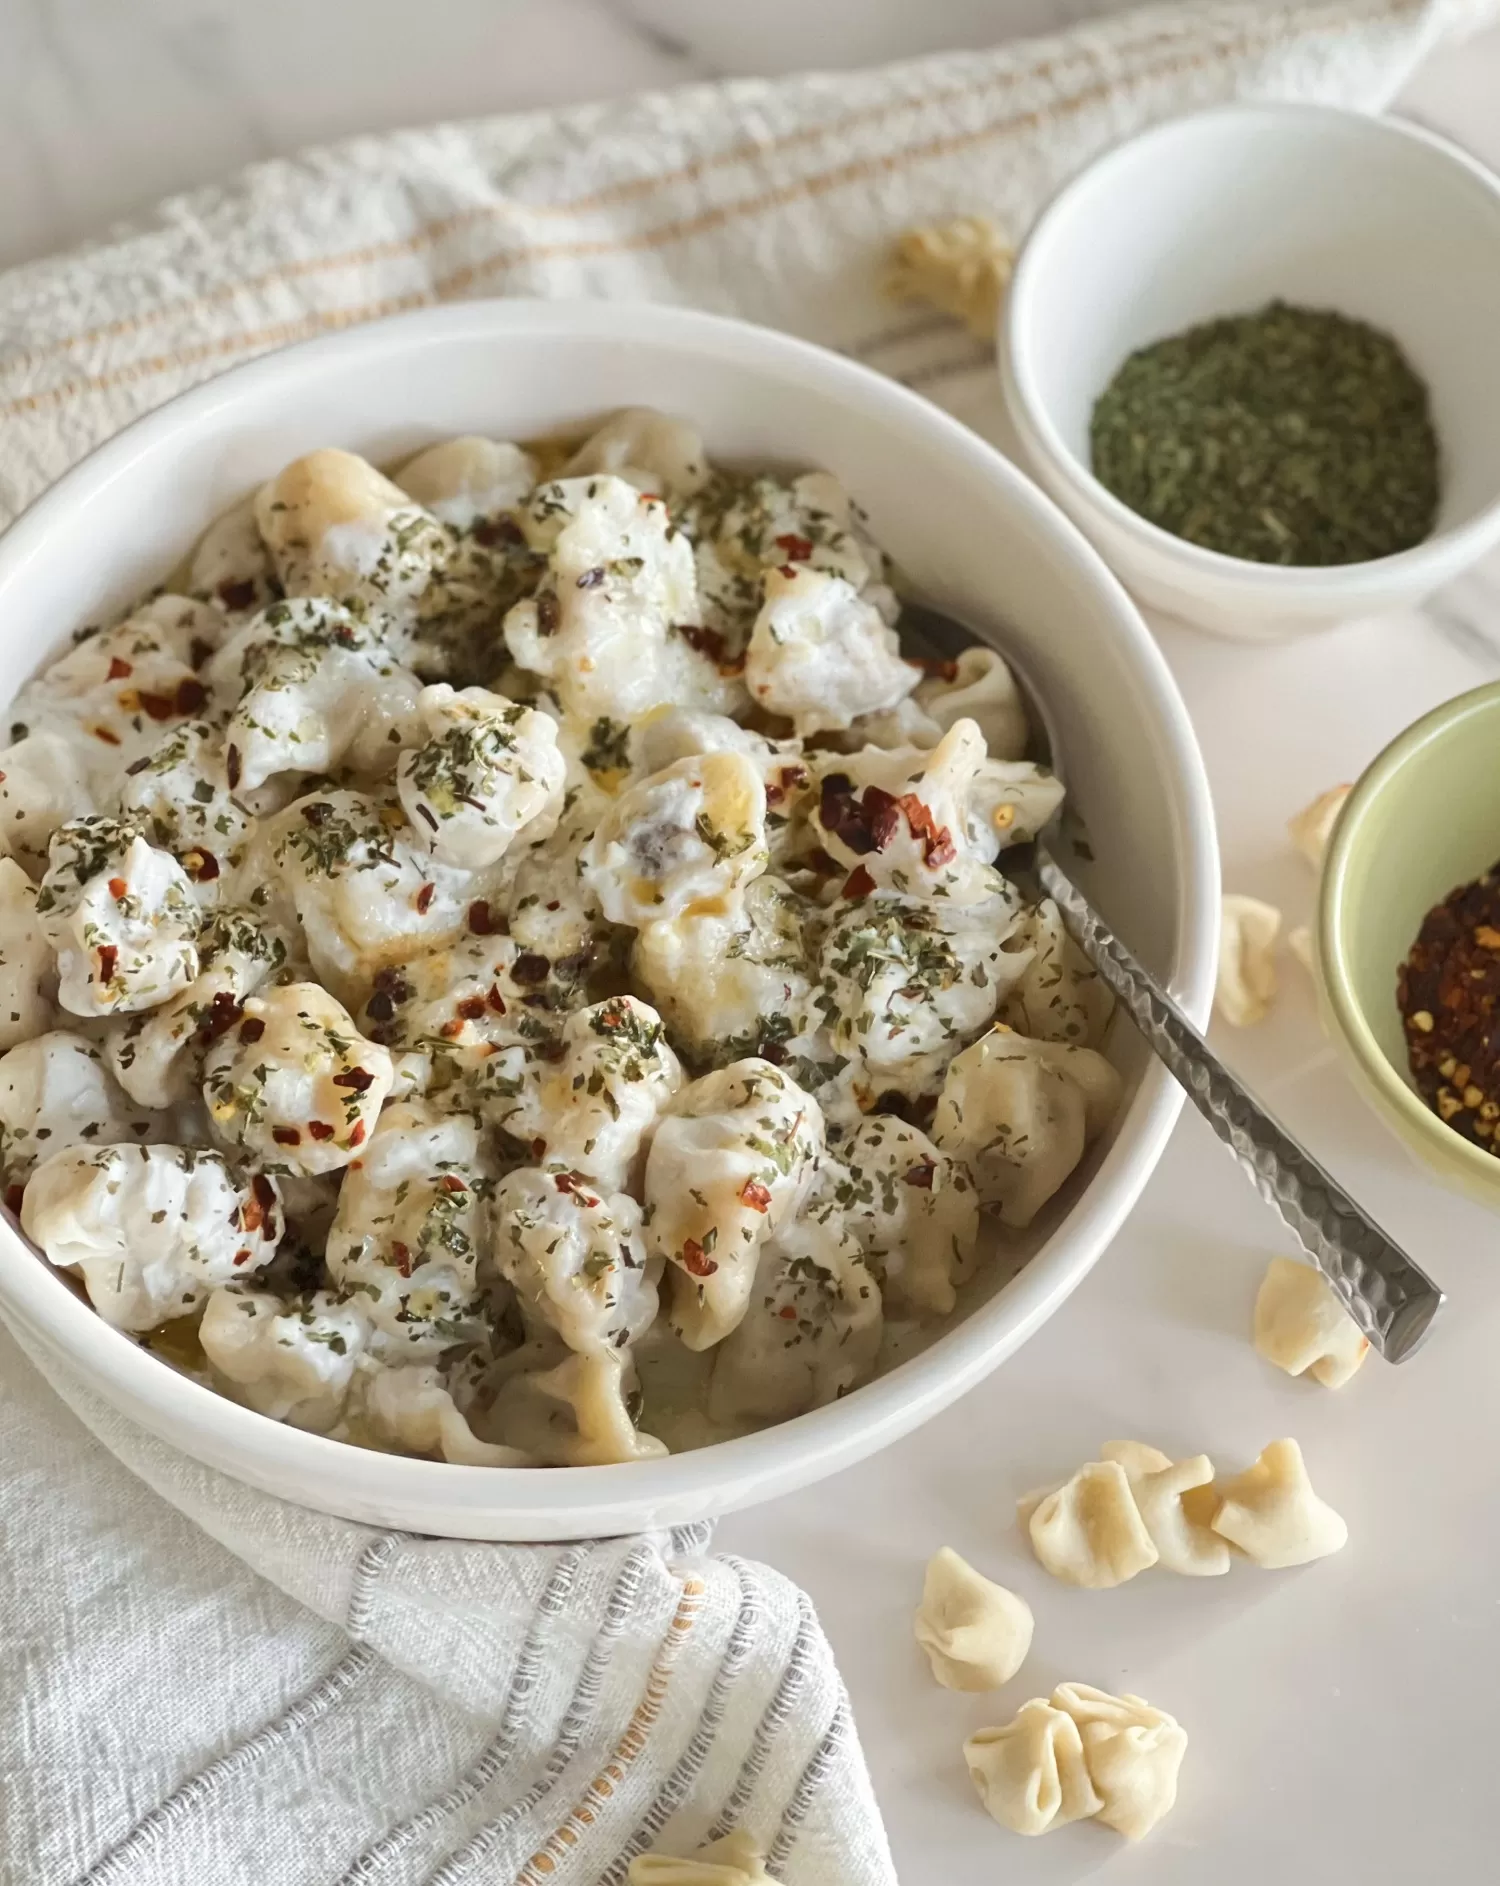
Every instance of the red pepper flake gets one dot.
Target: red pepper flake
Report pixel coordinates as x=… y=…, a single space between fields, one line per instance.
x=219 y=1017
x=858 y=884
x=1448 y=992
x=937 y=842
x=117 y=888
x=159 y=706
x=251 y=1029
x=707 y=641
x=357 y=1133
x=483 y=921
x=786 y=569
x=449 y=1183
x=402 y=1255
x=933 y=665
x=539 y=1149
x=235 y=595
x=358 y=1079
x=13 y=1196
x=319 y=1129
x=798 y=549
x=202 y=866
x=755 y=1195
x=265 y=1192
x=109 y=957
x=424 y=899
x=788 y=1312
x=472 y=1008
x=118 y=668
x=241 y=1257
x=529 y=969
x=695 y=1260
x=495 y=1000
x=866 y=824
x=450 y=1031
x=104 y=734
x=921 y=1174
x=191 y=695
x=556 y=904
x=286 y=1136
x=232 y=766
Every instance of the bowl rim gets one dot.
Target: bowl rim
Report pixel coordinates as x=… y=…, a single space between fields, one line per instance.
x=1336 y=916
x=553 y=1503
x=1442 y=549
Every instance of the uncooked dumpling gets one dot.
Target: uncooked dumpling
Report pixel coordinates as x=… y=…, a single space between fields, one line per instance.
x=733 y=1861
x=1133 y=1754
x=1176 y=1502
x=1301 y=1326
x=976 y=1633
x=1031 y=1774
x=1272 y=1514
x=1088 y=1531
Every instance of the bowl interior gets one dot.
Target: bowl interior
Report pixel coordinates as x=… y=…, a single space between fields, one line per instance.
x=970 y=533
x=1423 y=819
x=1218 y=213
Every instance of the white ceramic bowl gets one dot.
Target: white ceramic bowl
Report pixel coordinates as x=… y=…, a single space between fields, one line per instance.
x=969 y=530
x=1217 y=214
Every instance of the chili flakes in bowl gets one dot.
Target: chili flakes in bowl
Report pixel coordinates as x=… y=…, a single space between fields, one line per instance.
x=1448 y=991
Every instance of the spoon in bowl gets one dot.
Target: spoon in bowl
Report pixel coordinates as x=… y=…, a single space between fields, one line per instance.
x=1391 y=1300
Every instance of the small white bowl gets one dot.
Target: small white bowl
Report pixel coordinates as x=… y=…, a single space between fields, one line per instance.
x=1217 y=214
x=972 y=534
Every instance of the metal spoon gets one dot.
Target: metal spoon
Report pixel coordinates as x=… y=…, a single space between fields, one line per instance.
x=1389 y=1297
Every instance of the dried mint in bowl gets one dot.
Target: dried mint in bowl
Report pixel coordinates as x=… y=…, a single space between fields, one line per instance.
x=1292 y=435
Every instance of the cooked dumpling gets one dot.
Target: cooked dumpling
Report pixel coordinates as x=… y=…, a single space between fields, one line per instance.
x=1019 y=1113
x=689 y=835
x=976 y=1633
x=1059 y=995
x=488 y=772
x=180 y=795
x=978 y=686
x=292 y=1359
x=56 y=1091
x=462 y=481
x=294 y=1083
x=411 y=1227
x=28 y=968
x=1031 y=1775
x=42 y=786
x=569 y=1410
x=730 y=1163
x=820 y=655
x=410 y=1410
x=1301 y=1326
x=810 y=1332
x=150 y=1229
x=121 y=916
x=648 y=449
x=914 y=1212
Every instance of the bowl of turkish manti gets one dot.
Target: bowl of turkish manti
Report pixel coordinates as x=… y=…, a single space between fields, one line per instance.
x=518 y=1020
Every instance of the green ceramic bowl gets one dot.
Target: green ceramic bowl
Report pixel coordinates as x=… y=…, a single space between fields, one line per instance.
x=1423 y=819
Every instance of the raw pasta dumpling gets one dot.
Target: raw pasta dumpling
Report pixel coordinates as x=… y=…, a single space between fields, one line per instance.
x=1089 y=1532
x=1176 y=1503
x=1030 y=1774
x=1271 y=1514
x=150 y=1229
x=976 y=1633
x=1133 y=1753
x=735 y=1860
x=1301 y=1326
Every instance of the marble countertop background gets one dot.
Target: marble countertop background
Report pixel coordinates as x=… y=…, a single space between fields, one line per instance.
x=1340 y=1718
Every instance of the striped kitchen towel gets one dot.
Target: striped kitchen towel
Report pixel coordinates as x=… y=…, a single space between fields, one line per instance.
x=205 y=1686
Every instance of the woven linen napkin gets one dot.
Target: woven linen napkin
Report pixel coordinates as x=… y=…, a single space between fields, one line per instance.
x=204 y=1686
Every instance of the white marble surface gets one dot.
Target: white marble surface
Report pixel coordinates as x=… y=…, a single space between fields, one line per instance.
x=1340 y=1716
